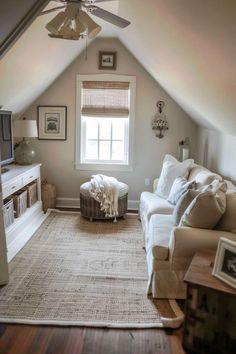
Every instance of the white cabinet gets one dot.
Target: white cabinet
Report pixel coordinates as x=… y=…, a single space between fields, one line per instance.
x=18 y=233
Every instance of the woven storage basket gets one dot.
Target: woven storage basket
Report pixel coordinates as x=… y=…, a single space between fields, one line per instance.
x=8 y=212
x=32 y=195
x=20 y=202
x=90 y=208
x=48 y=196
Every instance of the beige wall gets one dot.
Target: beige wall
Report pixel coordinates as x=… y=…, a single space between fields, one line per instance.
x=58 y=156
x=217 y=152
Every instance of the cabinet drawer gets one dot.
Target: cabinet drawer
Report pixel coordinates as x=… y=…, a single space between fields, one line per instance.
x=11 y=187
x=30 y=176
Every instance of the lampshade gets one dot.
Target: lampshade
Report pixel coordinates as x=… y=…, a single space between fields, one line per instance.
x=54 y=25
x=24 y=128
x=66 y=24
x=92 y=27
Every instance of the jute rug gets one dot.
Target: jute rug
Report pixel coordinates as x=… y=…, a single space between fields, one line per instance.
x=75 y=272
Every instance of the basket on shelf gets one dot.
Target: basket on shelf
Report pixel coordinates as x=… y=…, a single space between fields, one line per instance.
x=32 y=195
x=20 y=202
x=8 y=212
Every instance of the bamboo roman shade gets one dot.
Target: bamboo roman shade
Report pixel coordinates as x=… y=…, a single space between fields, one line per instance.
x=105 y=99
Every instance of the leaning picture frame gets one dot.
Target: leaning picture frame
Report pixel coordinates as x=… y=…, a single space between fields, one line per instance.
x=225 y=262
x=52 y=122
x=107 y=61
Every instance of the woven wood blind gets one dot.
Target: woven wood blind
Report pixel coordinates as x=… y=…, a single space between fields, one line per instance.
x=105 y=99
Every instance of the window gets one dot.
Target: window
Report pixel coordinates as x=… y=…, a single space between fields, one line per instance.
x=105 y=114
x=105 y=140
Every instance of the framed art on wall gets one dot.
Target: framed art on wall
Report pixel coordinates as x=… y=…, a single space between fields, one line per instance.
x=107 y=61
x=225 y=262
x=52 y=122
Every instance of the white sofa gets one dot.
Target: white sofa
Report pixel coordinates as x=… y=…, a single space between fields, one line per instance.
x=170 y=248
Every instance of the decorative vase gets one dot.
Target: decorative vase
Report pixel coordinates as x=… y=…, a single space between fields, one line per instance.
x=24 y=153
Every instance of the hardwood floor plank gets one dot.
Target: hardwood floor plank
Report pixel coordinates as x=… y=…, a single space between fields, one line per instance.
x=22 y=339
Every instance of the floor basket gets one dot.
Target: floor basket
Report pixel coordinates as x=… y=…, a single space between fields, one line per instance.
x=90 y=208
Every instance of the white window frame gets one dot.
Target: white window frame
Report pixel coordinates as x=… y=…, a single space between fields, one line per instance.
x=104 y=166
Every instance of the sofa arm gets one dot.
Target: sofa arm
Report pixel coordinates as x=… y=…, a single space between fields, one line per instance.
x=155 y=183
x=186 y=241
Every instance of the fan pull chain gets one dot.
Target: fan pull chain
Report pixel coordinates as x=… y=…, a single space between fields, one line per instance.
x=86 y=49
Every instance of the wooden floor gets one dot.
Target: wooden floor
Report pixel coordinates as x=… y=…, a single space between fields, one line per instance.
x=21 y=339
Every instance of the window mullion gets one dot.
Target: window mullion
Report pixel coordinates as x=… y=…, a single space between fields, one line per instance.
x=98 y=140
x=111 y=140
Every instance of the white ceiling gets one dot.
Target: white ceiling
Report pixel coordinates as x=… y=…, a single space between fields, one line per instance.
x=188 y=46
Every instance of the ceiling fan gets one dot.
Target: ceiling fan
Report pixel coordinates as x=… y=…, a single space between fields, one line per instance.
x=74 y=22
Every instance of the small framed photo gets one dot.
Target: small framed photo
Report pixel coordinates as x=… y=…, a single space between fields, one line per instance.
x=107 y=61
x=52 y=122
x=225 y=262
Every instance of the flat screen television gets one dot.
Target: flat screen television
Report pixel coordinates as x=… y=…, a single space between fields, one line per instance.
x=6 y=138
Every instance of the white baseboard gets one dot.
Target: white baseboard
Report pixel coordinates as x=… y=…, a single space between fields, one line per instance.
x=75 y=203
x=68 y=203
x=133 y=204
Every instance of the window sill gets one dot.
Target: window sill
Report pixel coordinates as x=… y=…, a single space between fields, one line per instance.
x=102 y=167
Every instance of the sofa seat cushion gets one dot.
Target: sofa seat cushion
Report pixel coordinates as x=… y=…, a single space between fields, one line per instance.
x=158 y=236
x=151 y=203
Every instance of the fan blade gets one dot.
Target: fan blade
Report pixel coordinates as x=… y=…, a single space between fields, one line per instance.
x=51 y=10
x=87 y=2
x=108 y=16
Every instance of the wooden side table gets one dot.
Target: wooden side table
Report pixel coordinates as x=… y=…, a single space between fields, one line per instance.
x=210 y=312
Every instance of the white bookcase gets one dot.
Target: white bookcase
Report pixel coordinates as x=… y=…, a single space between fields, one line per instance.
x=18 y=233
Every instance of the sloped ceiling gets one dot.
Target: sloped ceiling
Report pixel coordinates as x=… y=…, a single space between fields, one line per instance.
x=36 y=60
x=189 y=47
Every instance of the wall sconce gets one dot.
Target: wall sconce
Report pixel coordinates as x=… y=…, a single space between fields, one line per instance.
x=184 y=149
x=159 y=123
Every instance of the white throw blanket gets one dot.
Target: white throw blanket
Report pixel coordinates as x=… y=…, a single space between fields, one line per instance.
x=105 y=190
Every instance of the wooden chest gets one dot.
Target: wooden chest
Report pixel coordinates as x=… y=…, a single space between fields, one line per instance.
x=210 y=312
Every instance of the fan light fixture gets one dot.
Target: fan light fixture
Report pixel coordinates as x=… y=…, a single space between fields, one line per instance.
x=72 y=23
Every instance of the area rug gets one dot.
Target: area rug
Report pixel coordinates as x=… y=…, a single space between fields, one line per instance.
x=79 y=273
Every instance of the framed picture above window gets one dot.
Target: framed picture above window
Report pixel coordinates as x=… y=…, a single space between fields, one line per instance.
x=107 y=61
x=225 y=262
x=52 y=122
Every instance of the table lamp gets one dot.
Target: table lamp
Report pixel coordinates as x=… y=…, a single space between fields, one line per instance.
x=25 y=129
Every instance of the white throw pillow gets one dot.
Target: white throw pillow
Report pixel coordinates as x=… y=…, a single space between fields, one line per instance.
x=171 y=169
x=179 y=187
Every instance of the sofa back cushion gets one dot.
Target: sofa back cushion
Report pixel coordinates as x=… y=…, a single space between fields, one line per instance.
x=202 y=176
x=207 y=208
x=171 y=169
x=228 y=220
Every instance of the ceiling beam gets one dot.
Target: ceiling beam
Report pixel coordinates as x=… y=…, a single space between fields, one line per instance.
x=24 y=23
